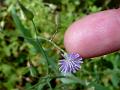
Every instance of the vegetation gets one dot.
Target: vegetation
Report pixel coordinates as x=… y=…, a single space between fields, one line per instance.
x=31 y=36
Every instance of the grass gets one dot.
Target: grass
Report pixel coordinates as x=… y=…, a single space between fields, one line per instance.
x=26 y=64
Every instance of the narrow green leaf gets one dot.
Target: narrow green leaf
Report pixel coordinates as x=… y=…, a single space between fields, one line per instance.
x=29 y=15
x=40 y=87
x=70 y=79
x=19 y=25
x=33 y=70
x=40 y=46
x=100 y=87
x=97 y=86
x=26 y=33
x=115 y=79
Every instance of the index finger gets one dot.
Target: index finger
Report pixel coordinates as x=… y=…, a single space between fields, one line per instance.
x=95 y=34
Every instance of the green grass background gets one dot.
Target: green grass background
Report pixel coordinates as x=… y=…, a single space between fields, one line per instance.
x=23 y=64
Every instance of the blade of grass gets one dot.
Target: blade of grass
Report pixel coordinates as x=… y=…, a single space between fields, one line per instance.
x=39 y=42
x=26 y=33
x=29 y=15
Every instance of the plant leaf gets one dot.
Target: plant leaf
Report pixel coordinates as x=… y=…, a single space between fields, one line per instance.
x=115 y=79
x=97 y=86
x=26 y=33
x=29 y=15
x=19 y=25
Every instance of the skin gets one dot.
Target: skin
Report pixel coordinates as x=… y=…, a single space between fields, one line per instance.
x=94 y=35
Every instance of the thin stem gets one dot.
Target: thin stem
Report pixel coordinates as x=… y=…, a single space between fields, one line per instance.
x=53 y=36
x=52 y=44
x=47 y=79
x=48 y=82
x=56 y=25
x=42 y=50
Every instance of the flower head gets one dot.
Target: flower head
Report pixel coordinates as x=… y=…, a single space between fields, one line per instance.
x=71 y=63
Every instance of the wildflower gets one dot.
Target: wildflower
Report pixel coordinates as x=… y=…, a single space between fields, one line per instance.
x=71 y=63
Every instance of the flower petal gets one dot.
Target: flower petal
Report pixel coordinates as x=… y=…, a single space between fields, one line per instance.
x=71 y=63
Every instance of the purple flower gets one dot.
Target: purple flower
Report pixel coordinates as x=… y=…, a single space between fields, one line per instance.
x=71 y=63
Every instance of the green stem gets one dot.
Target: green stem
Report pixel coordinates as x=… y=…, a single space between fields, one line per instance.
x=56 y=17
x=48 y=82
x=53 y=36
x=42 y=50
x=52 y=44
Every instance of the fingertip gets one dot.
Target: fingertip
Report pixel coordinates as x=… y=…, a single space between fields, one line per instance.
x=94 y=35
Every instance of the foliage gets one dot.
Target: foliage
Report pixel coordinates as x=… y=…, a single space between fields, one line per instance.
x=27 y=63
